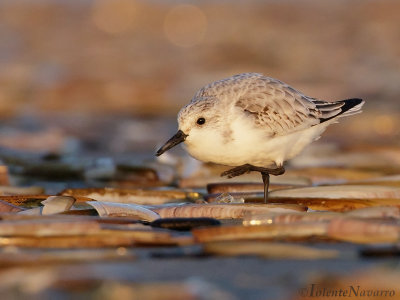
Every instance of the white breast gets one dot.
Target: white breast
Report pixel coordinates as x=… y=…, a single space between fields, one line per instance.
x=252 y=146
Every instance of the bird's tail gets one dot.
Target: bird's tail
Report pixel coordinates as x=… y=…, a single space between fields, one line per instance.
x=351 y=107
x=342 y=108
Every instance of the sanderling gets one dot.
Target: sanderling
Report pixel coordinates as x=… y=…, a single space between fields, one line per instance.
x=254 y=123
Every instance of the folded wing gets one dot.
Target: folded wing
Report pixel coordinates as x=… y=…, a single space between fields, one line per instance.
x=279 y=109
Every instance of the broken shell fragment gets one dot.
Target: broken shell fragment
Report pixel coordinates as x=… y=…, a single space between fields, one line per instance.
x=36 y=211
x=34 y=200
x=57 y=204
x=228 y=198
x=234 y=197
x=112 y=209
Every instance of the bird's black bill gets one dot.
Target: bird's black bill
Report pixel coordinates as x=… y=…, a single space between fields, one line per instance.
x=178 y=138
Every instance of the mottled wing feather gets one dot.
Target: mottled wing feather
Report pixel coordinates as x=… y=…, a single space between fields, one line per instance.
x=280 y=109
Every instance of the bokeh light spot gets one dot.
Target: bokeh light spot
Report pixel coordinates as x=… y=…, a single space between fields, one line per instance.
x=185 y=25
x=114 y=16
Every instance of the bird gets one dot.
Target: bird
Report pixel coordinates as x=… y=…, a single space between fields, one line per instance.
x=252 y=122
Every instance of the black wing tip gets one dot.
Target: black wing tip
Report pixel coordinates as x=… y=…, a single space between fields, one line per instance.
x=348 y=105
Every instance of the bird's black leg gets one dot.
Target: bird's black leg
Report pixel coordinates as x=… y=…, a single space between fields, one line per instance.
x=265 y=178
x=265 y=172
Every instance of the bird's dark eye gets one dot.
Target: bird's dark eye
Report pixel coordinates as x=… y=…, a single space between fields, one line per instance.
x=201 y=121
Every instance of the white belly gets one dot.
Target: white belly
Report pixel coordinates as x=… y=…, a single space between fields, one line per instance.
x=251 y=147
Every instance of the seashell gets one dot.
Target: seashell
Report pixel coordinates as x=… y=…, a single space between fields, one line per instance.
x=48 y=227
x=288 y=218
x=184 y=224
x=81 y=212
x=338 y=205
x=376 y=212
x=57 y=204
x=34 y=200
x=123 y=210
x=233 y=197
x=264 y=232
x=136 y=196
x=267 y=250
x=105 y=238
x=6 y=207
x=228 y=198
x=363 y=231
x=222 y=211
x=339 y=191
x=36 y=211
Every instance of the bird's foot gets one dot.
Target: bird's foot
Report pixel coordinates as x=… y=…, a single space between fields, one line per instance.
x=237 y=171
x=240 y=170
x=277 y=171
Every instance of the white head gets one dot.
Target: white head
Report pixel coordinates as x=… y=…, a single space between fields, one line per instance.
x=198 y=122
x=199 y=117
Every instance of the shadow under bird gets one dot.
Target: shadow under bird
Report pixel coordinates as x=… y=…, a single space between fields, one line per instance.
x=254 y=123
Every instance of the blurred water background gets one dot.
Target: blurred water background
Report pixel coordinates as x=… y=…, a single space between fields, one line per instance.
x=109 y=76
